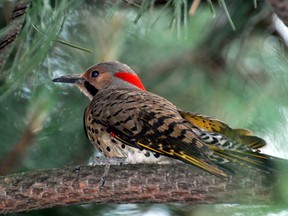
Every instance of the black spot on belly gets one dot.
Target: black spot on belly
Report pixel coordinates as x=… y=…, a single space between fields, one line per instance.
x=108 y=149
x=98 y=142
x=147 y=154
x=123 y=146
x=156 y=155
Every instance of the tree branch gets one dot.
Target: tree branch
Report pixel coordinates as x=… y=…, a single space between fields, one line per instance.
x=135 y=183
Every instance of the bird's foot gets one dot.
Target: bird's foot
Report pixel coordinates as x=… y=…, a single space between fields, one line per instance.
x=107 y=162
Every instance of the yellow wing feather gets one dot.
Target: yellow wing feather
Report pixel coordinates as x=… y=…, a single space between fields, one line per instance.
x=195 y=161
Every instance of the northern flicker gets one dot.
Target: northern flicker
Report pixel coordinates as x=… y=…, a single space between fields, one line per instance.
x=123 y=119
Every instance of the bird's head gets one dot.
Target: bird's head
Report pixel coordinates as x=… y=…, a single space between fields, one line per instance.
x=106 y=75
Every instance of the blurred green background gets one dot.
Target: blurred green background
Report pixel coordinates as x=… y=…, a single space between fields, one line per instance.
x=198 y=62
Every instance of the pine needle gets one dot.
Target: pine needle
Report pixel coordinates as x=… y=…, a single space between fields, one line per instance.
x=64 y=42
x=222 y=3
x=212 y=8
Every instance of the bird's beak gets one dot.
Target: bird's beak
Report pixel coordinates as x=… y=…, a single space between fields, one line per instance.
x=71 y=78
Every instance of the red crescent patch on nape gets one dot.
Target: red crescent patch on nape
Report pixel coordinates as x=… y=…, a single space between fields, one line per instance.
x=131 y=78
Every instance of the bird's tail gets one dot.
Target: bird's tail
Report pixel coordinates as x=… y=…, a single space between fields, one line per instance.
x=253 y=159
x=210 y=125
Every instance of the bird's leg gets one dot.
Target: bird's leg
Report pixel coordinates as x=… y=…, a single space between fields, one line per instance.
x=107 y=162
x=105 y=175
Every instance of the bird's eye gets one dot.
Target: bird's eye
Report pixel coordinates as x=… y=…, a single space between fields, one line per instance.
x=95 y=73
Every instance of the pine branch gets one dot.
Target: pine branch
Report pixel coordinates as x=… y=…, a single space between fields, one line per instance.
x=136 y=183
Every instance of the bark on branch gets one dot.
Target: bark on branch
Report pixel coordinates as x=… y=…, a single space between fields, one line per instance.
x=135 y=183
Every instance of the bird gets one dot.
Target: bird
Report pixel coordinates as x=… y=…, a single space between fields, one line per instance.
x=124 y=120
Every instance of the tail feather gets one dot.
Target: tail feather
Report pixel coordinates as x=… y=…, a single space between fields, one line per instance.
x=254 y=160
x=208 y=124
